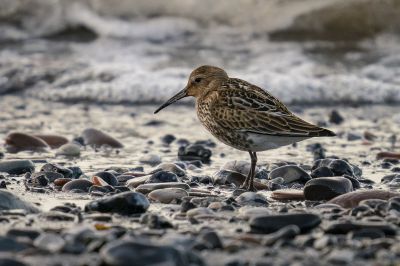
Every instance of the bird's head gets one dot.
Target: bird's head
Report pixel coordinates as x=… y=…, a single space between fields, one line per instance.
x=201 y=81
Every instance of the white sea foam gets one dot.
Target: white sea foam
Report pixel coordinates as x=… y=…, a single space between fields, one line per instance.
x=145 y=50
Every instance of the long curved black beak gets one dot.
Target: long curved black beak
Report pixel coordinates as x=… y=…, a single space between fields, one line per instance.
x=177 y=97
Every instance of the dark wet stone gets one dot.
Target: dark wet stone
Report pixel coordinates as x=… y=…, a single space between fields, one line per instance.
x=1 y=155
x=162 y=177
x=354 y=182
x=170 y=167
x=271 y=223
x=121 y=189
x=335 y=117
x=100 y=189
x=346 y=227
x=3 y=184
x=8 y=244
x=209 y=240
x=223 y=177
x=326 y=188
x=124 y=252
x=17 y=167
x=96 y=138
x=341 y=167
x=154 y=221
x=168 y=139
x=9 y=201
x=204 y=179
x=123 y=203
x=368 y=233
x=394 y=204
x=76 y=172
x=77 y=184
x=262 y=174
x=51 y=176
x=9 y=261
x=322 y=171
x=395 y=169
x=386 y=165
x=353 y=136
x=50 y=167
x=290 y=173
x=194 y=152
x=57 y=216
x=40 y=180
x=17 y=141
x=208 y=143
x=26 y=232
x=108 y=177
x=352 y=199
x=285 y=233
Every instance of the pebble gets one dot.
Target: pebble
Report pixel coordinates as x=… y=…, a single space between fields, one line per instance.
x=54 y=141
x=167 y=195
x=335 y=117
x=108 y=177
x=50 y=167
x=194 y=152
x=69 y=149
x=51 y=176
x=251 y=198
x=9 y=261
x=271 y=223
x=247 y=212
x=136 y=181
x=286 y=233
x=49 y=242
x=170 y=167
x=9 y=201
x=125 y=252
x=61 y=181
x=147 y=188
x=290 y=173
x=346 y=227
x=162 y=177
x=17 y=141
x=125 y=203
x=388 y=155
x=326 y=188
x=17 y=167
x=96 y=138
x=322 y=171
x=168 y=139
x=8 y=244
x=210 y=239
x=57 y=216
x=150 y=159
x=80 y=184
x=199 y=211
x=288 y=194
x=352 y=199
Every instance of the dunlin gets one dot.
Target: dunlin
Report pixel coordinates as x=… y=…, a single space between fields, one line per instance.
x=243 y=115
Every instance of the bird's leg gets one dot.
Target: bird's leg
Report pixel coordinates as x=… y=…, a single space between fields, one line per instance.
x=246 y=182
x=253 y=157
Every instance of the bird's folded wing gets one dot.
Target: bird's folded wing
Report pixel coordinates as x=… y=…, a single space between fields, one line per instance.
x=258 y=112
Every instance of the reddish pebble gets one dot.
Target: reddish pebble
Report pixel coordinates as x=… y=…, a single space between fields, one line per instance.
x=388 y=155
x=54 y=141
x=17 y=141
x=350 y=200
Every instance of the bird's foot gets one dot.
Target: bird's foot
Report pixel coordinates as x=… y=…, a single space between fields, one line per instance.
x=251 y=188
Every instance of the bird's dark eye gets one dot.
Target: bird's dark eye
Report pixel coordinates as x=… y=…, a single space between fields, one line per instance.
x=197 y=80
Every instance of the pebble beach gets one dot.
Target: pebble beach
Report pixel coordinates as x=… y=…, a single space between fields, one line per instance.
x=113 y=184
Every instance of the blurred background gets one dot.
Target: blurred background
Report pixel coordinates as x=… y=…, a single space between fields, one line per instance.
x=141 y=51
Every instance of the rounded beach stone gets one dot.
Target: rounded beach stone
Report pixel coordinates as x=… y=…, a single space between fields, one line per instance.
x=290 y=173
x=108 y=177
x=9 y=201
x=17 y=141
x=326 y=188
x=81 y=184
x=167 y=195
x=125 y=203
x=267 y=224
x=352 y=199
x=251 y=198
x=97 y=138
x=69 y=149
x=54 y=141
x=17 y=167
x=162 y=176
x=288 y=194
x=170 y=167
